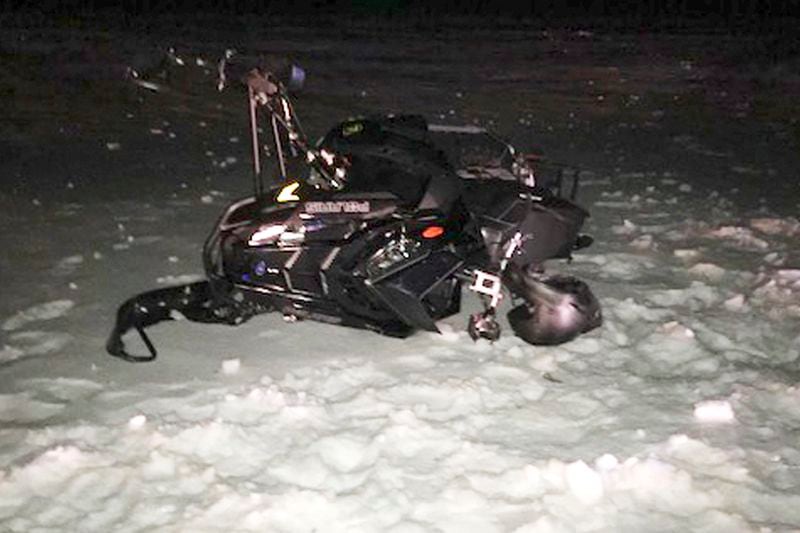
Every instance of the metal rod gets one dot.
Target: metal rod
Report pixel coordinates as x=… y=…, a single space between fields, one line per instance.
x=300 y=142
x=278 y=147
x=257 y=183
x=296 y=138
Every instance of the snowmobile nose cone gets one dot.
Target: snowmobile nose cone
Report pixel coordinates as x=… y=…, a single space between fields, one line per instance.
x=569 y=309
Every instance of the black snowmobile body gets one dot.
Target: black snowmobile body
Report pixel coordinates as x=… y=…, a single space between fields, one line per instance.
x=392 y=218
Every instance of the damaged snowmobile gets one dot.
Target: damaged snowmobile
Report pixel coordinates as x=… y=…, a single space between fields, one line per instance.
x=392 y=216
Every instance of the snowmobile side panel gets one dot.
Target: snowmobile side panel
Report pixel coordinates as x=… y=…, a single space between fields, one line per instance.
x=549 y=224
x=551 y=231
x=405 y=291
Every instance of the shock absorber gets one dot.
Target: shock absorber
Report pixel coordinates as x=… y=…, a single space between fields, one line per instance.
x=489 y=285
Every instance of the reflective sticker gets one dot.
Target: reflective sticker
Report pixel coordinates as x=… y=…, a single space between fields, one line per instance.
x=287 y=193
x=339 y=206
x=431 y=232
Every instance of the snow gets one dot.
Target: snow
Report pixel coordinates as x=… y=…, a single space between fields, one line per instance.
x=137 y=422
x=714 y=411
x=679 y=414
x=45 y=311
x=231 y=366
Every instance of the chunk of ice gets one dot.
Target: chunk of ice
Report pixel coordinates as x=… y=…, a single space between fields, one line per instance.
x=584 y=483
x=714 y=411
x=231 y=366
x=137 y=422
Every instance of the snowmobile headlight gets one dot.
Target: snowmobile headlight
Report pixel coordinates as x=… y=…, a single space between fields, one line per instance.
x=266 y=234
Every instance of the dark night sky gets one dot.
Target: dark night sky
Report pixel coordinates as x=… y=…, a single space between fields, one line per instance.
x=729 y=11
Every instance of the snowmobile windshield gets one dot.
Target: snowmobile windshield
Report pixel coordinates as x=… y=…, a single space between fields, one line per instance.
x=394 y=154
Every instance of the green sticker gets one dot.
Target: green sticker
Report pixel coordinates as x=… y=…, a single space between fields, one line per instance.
x=351 y=128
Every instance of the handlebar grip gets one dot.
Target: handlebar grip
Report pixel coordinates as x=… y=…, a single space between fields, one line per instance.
x=252 y=71
x=260 y=83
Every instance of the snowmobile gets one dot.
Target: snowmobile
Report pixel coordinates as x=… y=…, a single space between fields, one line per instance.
x=379 y=225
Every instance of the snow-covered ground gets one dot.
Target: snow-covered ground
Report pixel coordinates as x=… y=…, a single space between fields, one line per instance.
x=679 y=414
